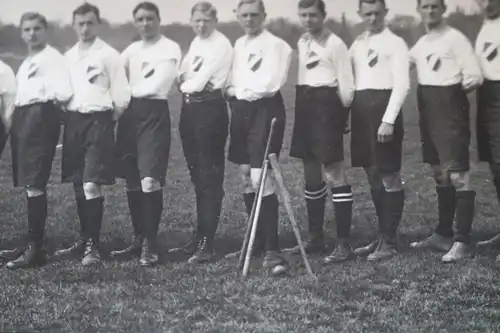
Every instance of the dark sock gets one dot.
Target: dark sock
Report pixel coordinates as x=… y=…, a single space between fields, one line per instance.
x=342 y=201
x=260 y=235
x=464 y=215
x=268 y=219
x=378 y=201
x=82 y=211
x=446 y=209
x=134 y=199
x=393 y=204
x=37 y=215
x=94 y=212
x=315 y=203
x=248 y=198
x=152 y=208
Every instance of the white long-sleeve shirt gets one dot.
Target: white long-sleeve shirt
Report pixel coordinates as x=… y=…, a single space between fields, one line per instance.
x=488 y=49
x=43 y=77
x=445 y=57
x=208 y=60
x=381 y=62
x=260 y=66
x=98 y=78
x=8 y=89
x=152 y=68
x=325 y=61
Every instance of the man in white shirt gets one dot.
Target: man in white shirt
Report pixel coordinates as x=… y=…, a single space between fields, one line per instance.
x=488 y=96
x=260 y=68
x=381 y=70
x=101 y=94
x=324 y=92
x=204 y=125
x=7 y=99
x=42 y=86
x=143 y=133
x=446 y=69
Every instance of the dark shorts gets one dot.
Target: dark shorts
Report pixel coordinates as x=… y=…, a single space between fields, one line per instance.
x=203 y=128
x=250 y=124
x=33 y=140
x=143 y=141
x=444 y=126
x=88 y=154
x=367 y=110
x=488 y=122
x=3 y=137
x=320 y=119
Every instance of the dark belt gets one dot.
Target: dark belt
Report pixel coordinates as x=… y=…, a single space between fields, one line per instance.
x=202 y=96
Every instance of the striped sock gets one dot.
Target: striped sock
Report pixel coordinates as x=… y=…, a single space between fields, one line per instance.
x=315 y=203
x=342 y=201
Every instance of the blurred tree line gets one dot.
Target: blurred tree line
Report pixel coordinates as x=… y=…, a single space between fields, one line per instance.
x=62 y=36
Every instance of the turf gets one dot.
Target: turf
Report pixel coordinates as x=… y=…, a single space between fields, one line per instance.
x=413 y=292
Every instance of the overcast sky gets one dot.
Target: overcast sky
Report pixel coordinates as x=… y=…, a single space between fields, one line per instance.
x=178 y=10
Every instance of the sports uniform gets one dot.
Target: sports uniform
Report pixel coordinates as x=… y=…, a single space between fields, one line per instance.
x=260 y=69
x=381 y=72
x=101 y=93
x=42 y=86
x=144 y=130
x=204 y=129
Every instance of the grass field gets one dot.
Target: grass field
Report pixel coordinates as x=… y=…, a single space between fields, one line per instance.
x=413 y=292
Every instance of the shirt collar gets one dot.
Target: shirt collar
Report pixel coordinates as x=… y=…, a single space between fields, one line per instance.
x=321 y=39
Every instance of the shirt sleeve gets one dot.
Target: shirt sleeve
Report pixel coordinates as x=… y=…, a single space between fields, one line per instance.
x=120 y=89
x=58 y=80
x=277 y=65
x=212 y=66
x=400 y=67
x=344 y=71
x=8 y=90
x=467 y=61
x=125 y=56
x=165 y=74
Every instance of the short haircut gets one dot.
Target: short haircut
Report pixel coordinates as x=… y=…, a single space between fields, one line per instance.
x=206 y=8
x=146 y=5
x=442 y=2
x=319 y=4
x=251 y=2
x=30 y=16
x=87 y=8
x=371 y=2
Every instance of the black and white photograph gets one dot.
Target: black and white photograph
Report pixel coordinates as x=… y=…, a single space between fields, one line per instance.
x=298 y=166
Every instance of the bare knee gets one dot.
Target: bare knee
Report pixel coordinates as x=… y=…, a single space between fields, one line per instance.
x=392 y=182
x=246 y=179
x=268 y=184
x=461 y=180
x=441 y=177
x=149 y=185
x=92 y=190
x=335 y=174
x=34 y=192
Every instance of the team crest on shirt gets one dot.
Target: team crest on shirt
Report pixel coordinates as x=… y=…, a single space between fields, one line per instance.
x=372 y=58
x=490 y=51
x=434 y=61
x=312 y=60
x=95 y=76
x=147 y=69
x=197 y=63
x=254 y=61
x=32 y=69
